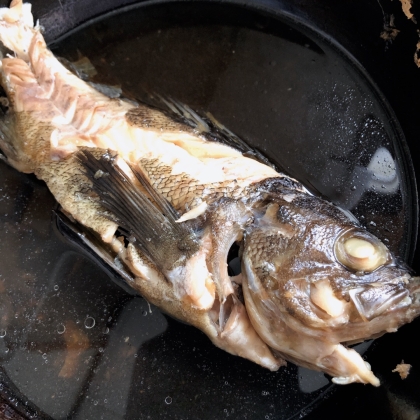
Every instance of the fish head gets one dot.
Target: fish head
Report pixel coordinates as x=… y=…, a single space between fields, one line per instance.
x=314 y=281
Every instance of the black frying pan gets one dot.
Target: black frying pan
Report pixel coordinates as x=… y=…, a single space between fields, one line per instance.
x=308 y=120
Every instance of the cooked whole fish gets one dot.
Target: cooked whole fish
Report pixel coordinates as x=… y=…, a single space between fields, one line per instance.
x=169 y=200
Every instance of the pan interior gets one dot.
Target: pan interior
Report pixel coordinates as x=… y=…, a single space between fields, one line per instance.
x=75 y=344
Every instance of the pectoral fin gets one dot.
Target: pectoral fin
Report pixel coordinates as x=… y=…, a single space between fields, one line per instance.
x=148 y=219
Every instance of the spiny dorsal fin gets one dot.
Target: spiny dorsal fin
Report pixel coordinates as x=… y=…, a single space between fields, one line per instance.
x=209 y=127
x=152 y=225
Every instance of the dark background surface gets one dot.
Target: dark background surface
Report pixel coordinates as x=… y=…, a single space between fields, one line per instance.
x=356 y=25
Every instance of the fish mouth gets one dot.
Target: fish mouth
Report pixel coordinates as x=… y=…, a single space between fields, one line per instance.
x=373 y=300
x=369 y=312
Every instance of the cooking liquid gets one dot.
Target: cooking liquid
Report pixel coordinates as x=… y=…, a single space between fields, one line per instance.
x=73 y=344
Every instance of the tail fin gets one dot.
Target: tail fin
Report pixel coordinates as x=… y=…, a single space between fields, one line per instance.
x=17 y=28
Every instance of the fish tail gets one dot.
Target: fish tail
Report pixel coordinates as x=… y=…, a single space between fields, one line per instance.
x=17 y=28
x=43 y=93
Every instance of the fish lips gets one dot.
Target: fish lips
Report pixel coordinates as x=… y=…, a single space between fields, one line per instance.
x=378 y=298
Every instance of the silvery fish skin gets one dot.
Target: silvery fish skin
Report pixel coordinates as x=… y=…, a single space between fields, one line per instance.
x=169 y=202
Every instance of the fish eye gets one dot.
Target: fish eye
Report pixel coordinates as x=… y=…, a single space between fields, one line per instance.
x=360 y=251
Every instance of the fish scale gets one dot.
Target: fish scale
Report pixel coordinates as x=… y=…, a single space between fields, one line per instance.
x=183 y=192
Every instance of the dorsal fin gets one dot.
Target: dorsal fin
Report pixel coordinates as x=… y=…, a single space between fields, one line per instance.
x=208 y=126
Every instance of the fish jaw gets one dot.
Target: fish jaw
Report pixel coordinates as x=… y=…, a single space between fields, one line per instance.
x=283 y=334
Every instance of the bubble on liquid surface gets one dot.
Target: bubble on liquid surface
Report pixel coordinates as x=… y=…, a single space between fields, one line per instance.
x=89 y=322
x=61 y=328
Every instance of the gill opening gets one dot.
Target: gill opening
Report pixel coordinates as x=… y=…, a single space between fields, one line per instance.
x=233 y=260
x=222 y=308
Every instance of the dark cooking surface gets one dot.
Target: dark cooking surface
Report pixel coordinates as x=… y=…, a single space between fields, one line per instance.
x=77 y=345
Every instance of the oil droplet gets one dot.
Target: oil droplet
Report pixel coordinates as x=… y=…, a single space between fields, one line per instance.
x=106 y=330
x=144 y=313
x=44 y=356
x=168 y=400
x=136 y=355
x=56 y=287
x=105 y=400
x=89 y=322
x=2 y=333
x=61 y=328
x=6 y=350
x=95 y=402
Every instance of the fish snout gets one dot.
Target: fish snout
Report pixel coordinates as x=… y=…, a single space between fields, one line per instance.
x=377 y=299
